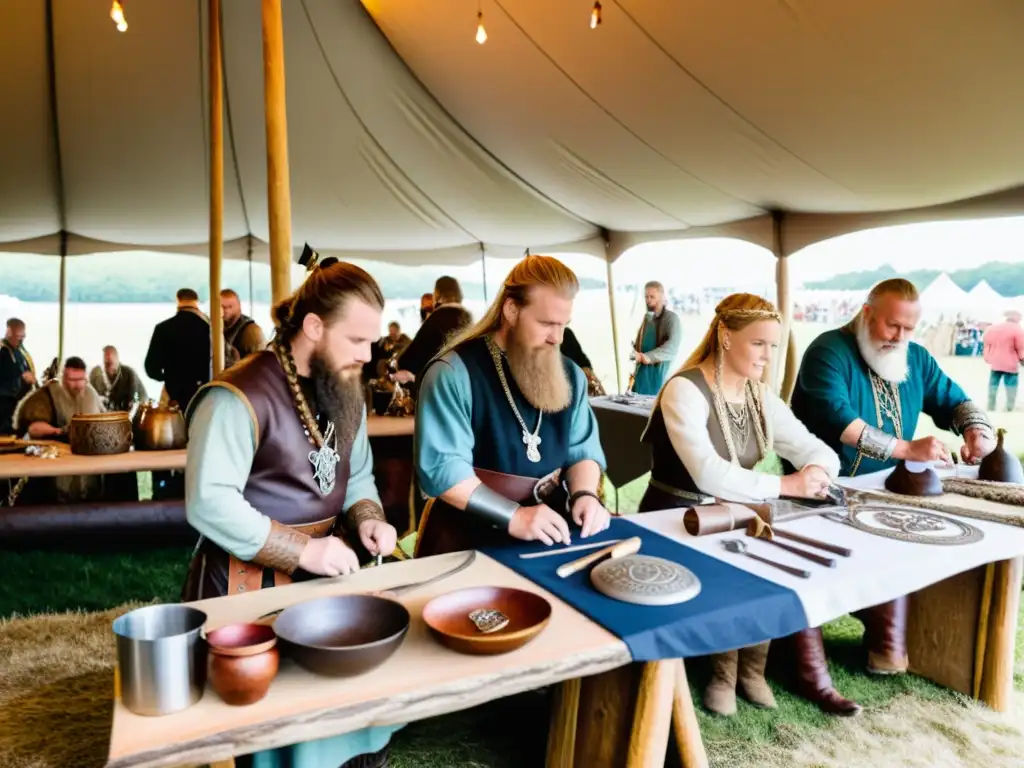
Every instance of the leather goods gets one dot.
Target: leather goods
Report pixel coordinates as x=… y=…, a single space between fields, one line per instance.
x=248 y=577
x=885 y=636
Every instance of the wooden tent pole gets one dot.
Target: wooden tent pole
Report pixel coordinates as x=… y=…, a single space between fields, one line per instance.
x=216 y=186
x=278 y=189
x=786 y=365
x=615 y=327
x=63 y=298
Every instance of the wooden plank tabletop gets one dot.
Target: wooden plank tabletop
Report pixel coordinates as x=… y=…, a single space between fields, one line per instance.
x=13 y=465
x=422 y=679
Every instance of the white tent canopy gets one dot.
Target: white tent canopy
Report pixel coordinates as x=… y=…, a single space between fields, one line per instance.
x=943 y=297
x=986 y=303
x=408 y=141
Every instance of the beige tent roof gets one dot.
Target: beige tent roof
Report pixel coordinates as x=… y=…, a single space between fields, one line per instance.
x=411 y=142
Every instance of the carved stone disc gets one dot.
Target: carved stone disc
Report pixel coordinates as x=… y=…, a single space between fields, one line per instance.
x=645 y=580
x=917 y=526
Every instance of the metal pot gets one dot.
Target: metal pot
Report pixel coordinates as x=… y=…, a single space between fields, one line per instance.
x=159 y=427
x=161 y=658
x=100 y=434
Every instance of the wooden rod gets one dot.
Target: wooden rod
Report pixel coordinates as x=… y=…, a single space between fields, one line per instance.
x=615 y=327
x=997 y=679
x=684 y=722
x=279 y=199
x=216 y=186
x=652 y=723
x=63 y=303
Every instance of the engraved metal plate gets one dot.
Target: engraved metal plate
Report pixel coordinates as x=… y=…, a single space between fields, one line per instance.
x=645 y=580
x=488 y=620
x=910 y=524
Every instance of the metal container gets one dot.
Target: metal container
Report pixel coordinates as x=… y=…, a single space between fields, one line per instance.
x=161 y=658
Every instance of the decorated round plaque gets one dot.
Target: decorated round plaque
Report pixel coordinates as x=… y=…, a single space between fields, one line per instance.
x=645 y=580
x=909 y=524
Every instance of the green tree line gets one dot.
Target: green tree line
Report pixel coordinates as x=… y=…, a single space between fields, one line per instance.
x=150 y=277
x=1007 y=279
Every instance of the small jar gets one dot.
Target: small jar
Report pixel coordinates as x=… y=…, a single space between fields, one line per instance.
x=243 y=662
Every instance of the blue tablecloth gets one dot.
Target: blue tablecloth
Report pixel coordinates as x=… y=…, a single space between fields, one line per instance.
x=734 y=608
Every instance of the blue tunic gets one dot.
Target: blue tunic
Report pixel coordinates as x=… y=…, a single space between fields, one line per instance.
x=833 y=389
x=463 y=420
x=650 y=376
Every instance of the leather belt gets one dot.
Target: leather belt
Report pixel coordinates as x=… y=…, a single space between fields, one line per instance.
x=247 y=577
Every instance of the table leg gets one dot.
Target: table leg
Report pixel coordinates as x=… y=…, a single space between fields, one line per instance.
x=562 y=734
x=229 y=763
x=624 y=718
x=684 y=722
x=997 y=672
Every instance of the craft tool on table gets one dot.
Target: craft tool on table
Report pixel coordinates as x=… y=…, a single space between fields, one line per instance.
x=621 y=549
x=739 y=547
x=759 y=529
x=564 y=550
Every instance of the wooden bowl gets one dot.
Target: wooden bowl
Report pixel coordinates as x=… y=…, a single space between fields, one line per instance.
x=100 y=434
x=448 y=618
x=343 y=635
x=904 y=482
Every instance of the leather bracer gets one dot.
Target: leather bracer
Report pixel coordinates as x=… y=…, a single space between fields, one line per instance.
x=363 y=510
x=282 y=549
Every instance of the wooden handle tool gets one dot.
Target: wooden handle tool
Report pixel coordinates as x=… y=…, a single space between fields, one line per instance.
x=628 y=547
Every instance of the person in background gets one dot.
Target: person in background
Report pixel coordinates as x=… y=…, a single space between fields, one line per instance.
x=426 y=306
x=657 y=341
x=17 y=372
x=1004 y=350
x=448 y=317
x=242 y=335
x=571 y=348
x=179 y=352
x=117 y=385
x=396 y=341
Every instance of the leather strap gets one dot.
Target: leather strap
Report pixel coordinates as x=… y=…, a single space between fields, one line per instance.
x=247 y=577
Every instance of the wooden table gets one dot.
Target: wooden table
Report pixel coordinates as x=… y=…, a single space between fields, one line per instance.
x=14 y=465
x=423 y=679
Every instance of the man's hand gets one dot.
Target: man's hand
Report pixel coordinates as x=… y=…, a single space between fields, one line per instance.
x=590 y=515
x=379 y=537
x=28 y=377
x=403 y=377
x=539 y=523
x=924 y=449
x=978 y=443
x=329 y=556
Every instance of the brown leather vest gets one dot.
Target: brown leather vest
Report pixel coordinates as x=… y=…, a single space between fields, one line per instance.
x=281 y=483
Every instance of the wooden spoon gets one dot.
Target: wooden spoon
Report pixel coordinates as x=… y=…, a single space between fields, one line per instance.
x=628 y=547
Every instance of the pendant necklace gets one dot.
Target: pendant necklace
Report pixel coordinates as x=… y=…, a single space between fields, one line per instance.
x=531 y=440
x=325 y=457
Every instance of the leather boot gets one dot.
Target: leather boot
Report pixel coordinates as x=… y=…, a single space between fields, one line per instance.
x=812 y=679
x=750 y=676
x=885 y=636
x=720 y=695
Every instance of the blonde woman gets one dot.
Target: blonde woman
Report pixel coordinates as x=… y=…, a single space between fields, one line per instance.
x=717 y=430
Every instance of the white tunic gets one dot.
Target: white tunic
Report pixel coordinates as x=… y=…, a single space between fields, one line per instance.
x=686 y=411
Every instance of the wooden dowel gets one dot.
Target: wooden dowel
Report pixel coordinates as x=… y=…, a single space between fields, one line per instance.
x=216 y=187
x=279 y=201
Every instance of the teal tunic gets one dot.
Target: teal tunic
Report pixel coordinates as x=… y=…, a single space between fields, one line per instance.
x=650 y=376
x=833 y=389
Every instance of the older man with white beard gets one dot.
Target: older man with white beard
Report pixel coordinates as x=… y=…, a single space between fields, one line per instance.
x=500 y=409
x=862 y=389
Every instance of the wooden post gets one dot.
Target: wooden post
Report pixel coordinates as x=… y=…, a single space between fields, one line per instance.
x=279 y=200
x=684 y=722
x=997 y=678
x=785 y=367
x=63 y=299
x=216 y=186
x=615 y=327
x=652 y=722
x=562 y=733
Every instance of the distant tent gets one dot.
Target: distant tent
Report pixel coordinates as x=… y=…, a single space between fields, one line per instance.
x=985 y=303
x=943 y=297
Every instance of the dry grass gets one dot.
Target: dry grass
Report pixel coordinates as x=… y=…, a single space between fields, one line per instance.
x=55 y=689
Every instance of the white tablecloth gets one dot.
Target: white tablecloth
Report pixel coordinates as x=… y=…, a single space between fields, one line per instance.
x=879 y=570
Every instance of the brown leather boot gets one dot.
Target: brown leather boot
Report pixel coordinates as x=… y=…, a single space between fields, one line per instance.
x=750 y=676
x=885 y=636
x=720 y=695
x=812 y=679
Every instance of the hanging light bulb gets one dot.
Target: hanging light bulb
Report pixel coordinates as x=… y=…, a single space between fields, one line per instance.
x=117 y=15
x=595 y=15
x=481 y=33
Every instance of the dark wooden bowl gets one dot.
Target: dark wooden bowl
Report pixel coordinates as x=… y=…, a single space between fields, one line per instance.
x=901 y=480
x=448 y=618
x=343 y=635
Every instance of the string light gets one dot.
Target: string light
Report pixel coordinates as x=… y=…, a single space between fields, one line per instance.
x=481 y=33
x=117 y=15
x=595 y=15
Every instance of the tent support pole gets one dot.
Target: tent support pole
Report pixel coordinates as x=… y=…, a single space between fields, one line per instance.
x=615 y=326
x=278 y=187
x=786 y=361
x=63 y=295
x=216 y=187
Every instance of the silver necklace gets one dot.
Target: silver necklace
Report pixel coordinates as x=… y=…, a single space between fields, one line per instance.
x=531 y=440
x=325 y=460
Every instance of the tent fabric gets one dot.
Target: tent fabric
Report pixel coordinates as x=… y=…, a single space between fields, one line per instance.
x=409 y=142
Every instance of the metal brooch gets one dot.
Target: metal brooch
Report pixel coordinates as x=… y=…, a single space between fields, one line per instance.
x=488 y=620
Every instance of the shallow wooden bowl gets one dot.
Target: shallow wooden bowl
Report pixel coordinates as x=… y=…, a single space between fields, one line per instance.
x=448 y=618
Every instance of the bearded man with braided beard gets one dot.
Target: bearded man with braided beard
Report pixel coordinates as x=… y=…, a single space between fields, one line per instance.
x=280 y=471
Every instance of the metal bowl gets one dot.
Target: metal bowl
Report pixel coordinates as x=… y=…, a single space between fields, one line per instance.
x=344 y=635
